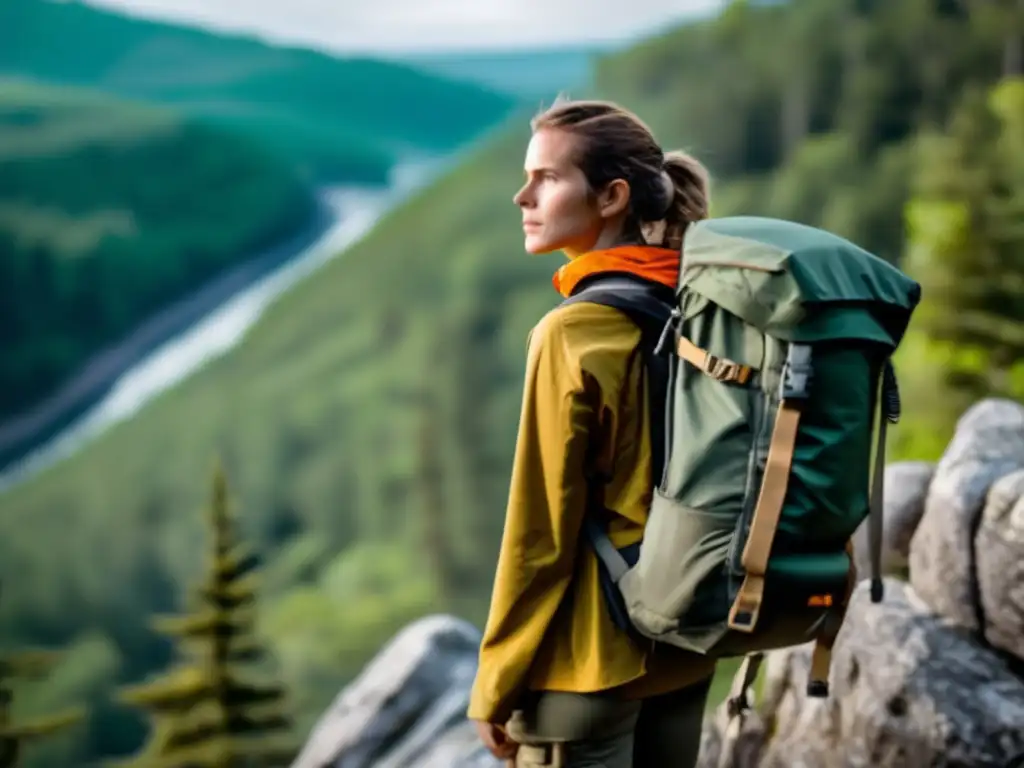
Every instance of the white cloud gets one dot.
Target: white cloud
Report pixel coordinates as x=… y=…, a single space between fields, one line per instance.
x=390 y=26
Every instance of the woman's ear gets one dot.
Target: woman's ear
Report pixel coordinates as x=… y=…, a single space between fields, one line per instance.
x=614 y=199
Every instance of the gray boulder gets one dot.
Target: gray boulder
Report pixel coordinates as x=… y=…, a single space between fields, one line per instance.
x=457 y=747
x=999 y=554
x=732 y=742
x=906 y=488
x=909 y=690
x=408 y=707
x=988 y=444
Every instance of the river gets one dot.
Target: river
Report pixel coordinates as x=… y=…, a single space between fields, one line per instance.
x=352 y=212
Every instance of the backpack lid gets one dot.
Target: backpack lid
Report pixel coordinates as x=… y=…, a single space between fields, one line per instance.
x=796 y=282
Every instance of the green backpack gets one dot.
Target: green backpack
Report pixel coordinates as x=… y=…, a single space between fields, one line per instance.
x=783 y=335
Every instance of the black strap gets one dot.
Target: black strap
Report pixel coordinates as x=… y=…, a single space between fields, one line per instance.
x=888 y=413
x=649 y=305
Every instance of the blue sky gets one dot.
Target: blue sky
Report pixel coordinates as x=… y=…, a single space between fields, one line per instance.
x=391 y=27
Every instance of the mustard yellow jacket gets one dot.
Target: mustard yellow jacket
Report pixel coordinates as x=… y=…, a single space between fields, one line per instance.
x=584 y=408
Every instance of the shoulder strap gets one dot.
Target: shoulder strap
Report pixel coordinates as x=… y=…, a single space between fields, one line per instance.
x=649 y=305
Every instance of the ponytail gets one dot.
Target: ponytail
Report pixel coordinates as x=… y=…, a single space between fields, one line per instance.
x=690 y=196
x=668 y=190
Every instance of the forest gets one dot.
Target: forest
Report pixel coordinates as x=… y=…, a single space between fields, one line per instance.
x=139 y=160
x=100 y=223
x=368 y=421
x=321 y=114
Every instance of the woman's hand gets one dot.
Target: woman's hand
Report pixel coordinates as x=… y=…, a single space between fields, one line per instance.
x=496 y=740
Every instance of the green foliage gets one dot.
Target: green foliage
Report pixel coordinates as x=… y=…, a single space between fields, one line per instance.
x=14 y=734
x=376 y=404
x=111 y=209
x=797 y=121
x=209 y=711
x=334 y=118
x=101 y=223
x=79 y=681
x=325 y=630
x=967 y=249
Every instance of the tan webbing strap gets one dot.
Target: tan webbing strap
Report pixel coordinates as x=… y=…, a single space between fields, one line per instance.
x=821 y=662
x=745 y=609
x=720 y=368
x=821 y=657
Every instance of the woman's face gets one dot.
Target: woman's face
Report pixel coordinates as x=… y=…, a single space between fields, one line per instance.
x=559 y=210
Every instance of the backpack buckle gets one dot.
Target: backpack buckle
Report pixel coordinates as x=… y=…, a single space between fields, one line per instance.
x=672 y=324
x=797 y=373
x=726 y=370
x=744 y=613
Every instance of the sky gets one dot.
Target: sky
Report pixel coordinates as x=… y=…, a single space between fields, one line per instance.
x=389 y=27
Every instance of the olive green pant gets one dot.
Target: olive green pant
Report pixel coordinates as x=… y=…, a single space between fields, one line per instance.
x=600 y=730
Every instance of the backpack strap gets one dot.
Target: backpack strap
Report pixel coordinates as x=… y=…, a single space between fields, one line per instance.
x=796 y=380
x=745 y=609
x=821 y=656
x=890 y=414
x=650 y=306
x=720 y=368
x=737 y=702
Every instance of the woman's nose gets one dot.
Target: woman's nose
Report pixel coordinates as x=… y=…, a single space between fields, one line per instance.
x=521 y=198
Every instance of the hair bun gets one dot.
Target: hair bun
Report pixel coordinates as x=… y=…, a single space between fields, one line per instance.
x=668 y=192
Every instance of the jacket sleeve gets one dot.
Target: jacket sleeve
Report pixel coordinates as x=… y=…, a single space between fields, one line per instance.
x=542 y=520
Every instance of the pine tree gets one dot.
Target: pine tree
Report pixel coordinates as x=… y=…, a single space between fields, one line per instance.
x=967 y=251
x=967 y=239
x=27 y=665
x=211 y=711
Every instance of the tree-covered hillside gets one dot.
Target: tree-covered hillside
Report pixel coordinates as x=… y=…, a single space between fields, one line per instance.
x=368 y=421
x=138 y=160
x=110 y=210
x=338 y=119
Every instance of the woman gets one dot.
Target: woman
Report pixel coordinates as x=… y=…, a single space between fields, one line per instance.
x=583 y=692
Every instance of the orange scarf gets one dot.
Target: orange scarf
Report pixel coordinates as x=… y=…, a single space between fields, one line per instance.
x=658 y=264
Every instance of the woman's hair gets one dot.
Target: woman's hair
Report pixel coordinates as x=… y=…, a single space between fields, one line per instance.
x=616 y=144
